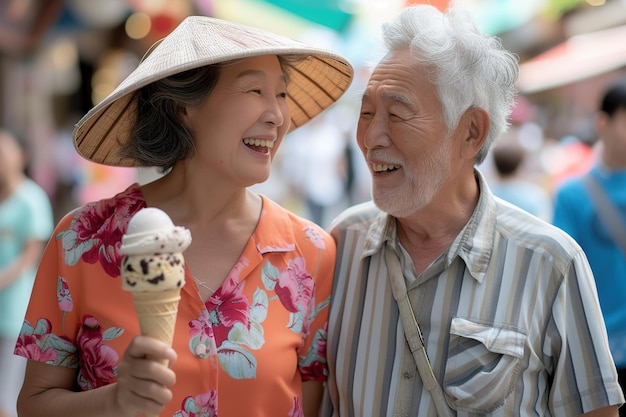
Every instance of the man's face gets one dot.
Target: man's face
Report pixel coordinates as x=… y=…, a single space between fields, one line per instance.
x=403 y=136
x=612 y=131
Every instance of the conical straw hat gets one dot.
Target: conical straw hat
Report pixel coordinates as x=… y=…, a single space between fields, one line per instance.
x=317 y=82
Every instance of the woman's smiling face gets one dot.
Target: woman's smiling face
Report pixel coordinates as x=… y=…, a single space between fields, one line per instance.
x=238 y=128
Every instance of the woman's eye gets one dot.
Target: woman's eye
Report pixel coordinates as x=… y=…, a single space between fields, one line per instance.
x=256 y=91
x=282 y=95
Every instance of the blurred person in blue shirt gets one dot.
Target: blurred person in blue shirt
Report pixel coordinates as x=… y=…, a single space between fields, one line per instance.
x=26 y=222
x=511 y=185
x=577 y=213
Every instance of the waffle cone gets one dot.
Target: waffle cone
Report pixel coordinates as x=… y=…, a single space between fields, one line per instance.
x=157 y=312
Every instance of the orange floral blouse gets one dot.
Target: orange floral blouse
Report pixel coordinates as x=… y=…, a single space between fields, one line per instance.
x=248 y=348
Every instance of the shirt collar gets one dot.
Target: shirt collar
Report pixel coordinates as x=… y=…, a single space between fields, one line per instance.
x=473 y=244
x=274 y=232
x=382 y=229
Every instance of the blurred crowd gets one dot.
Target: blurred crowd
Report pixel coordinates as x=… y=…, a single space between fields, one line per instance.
x=79 y=51
x=75 y=54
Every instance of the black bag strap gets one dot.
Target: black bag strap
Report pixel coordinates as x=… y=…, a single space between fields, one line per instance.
x=607 y=211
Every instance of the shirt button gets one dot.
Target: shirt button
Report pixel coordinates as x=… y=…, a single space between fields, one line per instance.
x=407 y=375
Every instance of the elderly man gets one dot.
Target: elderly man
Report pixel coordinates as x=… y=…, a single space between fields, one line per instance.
x=447 y=300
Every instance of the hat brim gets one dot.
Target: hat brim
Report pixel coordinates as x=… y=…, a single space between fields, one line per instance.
x=317 y=81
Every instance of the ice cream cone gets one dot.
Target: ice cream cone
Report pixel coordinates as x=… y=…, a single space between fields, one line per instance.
x=157 y=313
x=153 y=271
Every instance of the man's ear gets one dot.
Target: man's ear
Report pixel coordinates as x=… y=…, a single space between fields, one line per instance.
x=476 y=128
x=601 y=120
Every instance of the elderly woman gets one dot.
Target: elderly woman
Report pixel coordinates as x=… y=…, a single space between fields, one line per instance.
x=209 y=105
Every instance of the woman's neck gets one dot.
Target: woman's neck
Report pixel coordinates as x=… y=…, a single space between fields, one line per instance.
x=201 y=203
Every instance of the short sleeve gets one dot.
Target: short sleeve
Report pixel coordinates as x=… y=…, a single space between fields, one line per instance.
x=49 y=328
x=322 y=254
x=579 y=338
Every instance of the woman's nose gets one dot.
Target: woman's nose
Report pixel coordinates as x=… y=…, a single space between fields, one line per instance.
x=276 y=112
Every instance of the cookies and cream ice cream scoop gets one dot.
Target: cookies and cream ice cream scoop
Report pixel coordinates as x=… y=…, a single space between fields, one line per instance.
x=152 y=249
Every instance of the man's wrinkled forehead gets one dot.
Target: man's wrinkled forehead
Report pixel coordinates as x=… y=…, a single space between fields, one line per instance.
x=385 y=95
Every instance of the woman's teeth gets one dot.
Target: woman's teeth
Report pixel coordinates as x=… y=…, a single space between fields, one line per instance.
x=259 y=142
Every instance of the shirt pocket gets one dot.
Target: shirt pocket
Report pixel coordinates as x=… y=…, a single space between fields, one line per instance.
x=483 y=365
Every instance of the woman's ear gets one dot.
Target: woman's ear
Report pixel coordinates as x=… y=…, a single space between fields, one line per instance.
x=185 y=113
x=182 y=110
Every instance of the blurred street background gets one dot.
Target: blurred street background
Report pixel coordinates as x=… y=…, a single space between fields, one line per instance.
x=60 y=57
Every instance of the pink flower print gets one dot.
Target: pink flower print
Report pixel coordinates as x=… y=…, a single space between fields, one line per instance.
x=313 y=311
x=63 y=295
x=315 y=371
x=318 y=347
x=203 y=405
x=314 y=234
x=97 y=228
x=97 y=360
x=295 y=286
x=201 y=338
x=226 y=315
x=30 y=346
x=313 y=366
x=296 y=408
x=227 y=308
x=201 y=327
x=40 y=344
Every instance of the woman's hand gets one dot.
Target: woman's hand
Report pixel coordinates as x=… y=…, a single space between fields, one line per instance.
x=144 y=377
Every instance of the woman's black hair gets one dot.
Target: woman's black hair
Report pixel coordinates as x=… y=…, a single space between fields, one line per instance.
x=160 y=137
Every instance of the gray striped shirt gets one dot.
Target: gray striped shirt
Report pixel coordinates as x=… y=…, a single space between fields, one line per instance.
x=509 y=314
